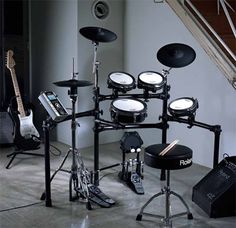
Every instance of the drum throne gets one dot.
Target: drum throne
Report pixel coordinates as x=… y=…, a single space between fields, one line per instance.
x=179 y=157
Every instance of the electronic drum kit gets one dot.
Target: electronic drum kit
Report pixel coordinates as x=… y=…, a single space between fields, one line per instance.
x=129 y=110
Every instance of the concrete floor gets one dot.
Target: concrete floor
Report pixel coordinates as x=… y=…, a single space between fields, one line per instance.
x=23 y=184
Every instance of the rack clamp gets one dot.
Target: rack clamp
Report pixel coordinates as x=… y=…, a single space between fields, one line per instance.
x=191 y=120
x=216 y=129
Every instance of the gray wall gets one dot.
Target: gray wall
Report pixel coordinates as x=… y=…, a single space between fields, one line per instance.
x=54 y=33
x=55 y=41
x=148 y=27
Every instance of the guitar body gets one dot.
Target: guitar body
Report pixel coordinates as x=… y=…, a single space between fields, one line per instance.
x=25 y=135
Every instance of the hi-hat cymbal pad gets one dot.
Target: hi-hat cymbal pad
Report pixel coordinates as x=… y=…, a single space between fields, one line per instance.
x=176 y=55
x=73 y=83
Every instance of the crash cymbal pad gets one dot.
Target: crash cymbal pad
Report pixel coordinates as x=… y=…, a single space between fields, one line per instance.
x=176 y=55
x=98 y=34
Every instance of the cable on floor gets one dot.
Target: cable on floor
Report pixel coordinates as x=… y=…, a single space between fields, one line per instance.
x=57 y=149
x=19 y=207
x=107 y=174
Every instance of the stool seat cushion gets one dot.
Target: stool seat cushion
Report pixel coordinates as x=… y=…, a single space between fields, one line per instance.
x=179 y=157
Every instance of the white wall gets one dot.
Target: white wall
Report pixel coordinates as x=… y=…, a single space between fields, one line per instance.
x=148 y=27
x=110 y=55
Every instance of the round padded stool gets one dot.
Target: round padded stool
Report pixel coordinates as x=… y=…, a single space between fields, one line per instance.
x=178 y=157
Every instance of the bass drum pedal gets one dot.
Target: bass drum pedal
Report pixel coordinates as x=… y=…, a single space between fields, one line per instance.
x=133 y=180
x=135 y=183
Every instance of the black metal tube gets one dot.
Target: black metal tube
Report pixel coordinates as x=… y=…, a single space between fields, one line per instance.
x=138 y=165
x=96 y=154
x=48 y=201
x=73 y=132
x=216 y=146
x=164 y=122
x=110 y=166
x=123 y=163
x=103 y=97
x=191 y=123
x=214 y=128
x=96 y=137
x=164 y=114
x=107 y=125
x=78 y=115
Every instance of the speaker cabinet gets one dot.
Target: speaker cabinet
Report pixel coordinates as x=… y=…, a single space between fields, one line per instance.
x=216 y=192
x=6 y=129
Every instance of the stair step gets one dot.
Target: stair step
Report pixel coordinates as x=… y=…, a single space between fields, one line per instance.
x=208 y=9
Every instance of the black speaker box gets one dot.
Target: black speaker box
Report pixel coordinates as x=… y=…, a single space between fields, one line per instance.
x=6 y=128
x=216 y=192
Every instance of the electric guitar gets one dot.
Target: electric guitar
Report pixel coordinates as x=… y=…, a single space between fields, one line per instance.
x=25 y=135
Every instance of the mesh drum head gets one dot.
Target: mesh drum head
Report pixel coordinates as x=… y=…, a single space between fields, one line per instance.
x=181 y=104
x=151 y=78
x=128 y=105
x=121 y=78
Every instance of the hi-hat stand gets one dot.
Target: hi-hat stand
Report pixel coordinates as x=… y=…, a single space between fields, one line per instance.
x=79 y=175
x=80 y=178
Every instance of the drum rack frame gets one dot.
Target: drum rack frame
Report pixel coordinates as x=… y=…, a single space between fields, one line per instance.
x=101 y=125
x=104 y=125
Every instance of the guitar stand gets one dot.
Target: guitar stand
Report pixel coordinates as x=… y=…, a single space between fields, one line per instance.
x=19 y=151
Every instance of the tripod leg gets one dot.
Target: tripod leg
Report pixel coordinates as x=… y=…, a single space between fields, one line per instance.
x=54 y=174
x=12 y=158
x=59 y=168
x=70 y=189
x=73 y=185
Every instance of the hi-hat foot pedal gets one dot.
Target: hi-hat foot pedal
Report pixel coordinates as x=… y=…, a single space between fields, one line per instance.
x=93 y=198
x=96 y=196
x=80 y=194
x=98 y=193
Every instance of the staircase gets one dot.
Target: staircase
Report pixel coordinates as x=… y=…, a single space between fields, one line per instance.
x=213 y=23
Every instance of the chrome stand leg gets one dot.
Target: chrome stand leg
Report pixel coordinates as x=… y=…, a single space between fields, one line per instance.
x=167 y=217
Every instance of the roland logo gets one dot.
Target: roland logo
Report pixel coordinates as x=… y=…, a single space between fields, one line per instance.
x=185 y=162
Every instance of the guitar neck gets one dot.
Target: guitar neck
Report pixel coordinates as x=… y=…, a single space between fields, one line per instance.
x=17 y=93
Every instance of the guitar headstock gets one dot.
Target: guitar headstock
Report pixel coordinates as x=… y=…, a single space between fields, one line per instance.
x=10 y=62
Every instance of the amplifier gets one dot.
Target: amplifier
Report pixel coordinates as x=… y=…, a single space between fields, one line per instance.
x=216 y=192
x=6 y=128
